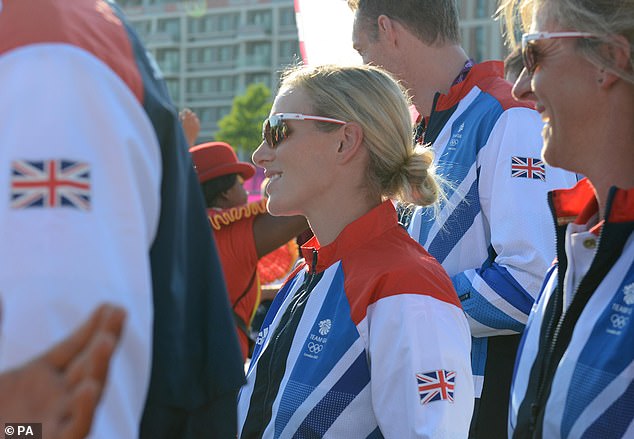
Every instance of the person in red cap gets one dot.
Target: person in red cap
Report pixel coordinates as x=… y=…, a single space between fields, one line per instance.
x=244 y=232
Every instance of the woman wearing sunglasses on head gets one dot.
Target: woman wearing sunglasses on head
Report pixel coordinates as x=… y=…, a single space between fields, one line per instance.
x=575 y=367
x=367 y=337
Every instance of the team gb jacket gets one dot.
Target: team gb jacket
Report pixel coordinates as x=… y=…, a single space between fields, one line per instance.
x=365 y=340
x=574 y=375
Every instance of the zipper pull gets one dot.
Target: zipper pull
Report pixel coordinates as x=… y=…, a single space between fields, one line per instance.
x=533 y=420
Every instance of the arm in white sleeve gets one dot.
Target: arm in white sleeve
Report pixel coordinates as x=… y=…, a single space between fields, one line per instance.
x=80 y=174
x=498 y=295
x=420 y=370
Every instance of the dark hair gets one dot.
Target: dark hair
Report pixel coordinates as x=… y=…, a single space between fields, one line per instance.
x=432 y=21
x=216 y=186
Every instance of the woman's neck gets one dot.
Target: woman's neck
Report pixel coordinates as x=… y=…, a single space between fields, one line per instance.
x=327 y=221
x=612 y=162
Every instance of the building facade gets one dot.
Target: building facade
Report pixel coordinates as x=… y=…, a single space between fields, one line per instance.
x=210 y=50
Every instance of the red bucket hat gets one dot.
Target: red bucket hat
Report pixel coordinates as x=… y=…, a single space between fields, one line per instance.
x=215 y=159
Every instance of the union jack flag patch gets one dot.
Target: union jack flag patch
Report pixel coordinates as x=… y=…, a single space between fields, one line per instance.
x=437 y=385
x=527 y=167
x=50 y=183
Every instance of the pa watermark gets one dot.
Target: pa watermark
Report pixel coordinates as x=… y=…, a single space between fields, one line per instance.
x=15 y=430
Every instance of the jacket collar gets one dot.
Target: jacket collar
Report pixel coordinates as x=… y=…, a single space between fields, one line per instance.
x=489 y=77
x=366 y=228
x=579 y=205
x=479 y=73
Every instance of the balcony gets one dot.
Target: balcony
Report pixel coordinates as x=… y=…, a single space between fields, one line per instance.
x=212 y=96
x=255 y=61
x=288 y=29
x=251 y=31
x=210 y=65
x=212 y=35
x=162 y=38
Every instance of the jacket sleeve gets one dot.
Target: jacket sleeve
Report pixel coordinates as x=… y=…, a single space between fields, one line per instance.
x=80 y=174
x=421 y=382
x=498 y=295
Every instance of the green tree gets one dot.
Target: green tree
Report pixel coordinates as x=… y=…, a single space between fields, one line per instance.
x=242 y=127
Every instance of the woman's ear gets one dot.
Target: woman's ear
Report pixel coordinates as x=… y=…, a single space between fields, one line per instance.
x=350 y=142
x=619 y=55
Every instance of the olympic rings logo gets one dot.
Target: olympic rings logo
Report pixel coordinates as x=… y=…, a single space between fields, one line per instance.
x=619 y=321
x=314 y=348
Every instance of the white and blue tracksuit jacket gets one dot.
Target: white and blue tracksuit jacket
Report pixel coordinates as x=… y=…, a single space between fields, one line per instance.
x=575 y=367
x=100 y=203
x=493 y=236
x=365 y=340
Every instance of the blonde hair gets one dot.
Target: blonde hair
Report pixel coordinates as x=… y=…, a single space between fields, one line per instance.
x=603 y=18
x=370 y=97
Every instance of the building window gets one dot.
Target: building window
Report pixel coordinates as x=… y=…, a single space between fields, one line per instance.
x=201 y=55
x=210 y=86
x=262 y=18
x=193 y=85
x=289 y=51
x=482 y=9
x=259 y=54
x=168 y=60
x=173 y=85
x=171 y=26
x=226 y=53
x=228 y=22
x=142 y=27
x=287 y=17
x=261 y=78
x=201 y=25
x=209 y=55
x=226 y=84
x=213 y=23
x=478 y=44
x=207 y=85
x=481 y=42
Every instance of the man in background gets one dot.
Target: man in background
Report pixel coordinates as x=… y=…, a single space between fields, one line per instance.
x=493 y=232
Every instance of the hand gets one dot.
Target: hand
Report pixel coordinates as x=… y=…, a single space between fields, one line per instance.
x=62 y=388
x=191 y=125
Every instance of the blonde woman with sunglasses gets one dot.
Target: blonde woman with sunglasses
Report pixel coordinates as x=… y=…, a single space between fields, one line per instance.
x=367 y=337
x=574 y=373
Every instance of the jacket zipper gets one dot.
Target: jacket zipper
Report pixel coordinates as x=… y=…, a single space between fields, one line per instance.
x=551 y=328
x=539 y=402
x=305 y=291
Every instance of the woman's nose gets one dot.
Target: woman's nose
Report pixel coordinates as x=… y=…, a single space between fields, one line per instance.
x=262 y=154
x=522 y=89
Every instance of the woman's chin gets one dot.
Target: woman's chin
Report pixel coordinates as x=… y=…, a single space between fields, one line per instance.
x=278 y=208
x=550 y=153
x=274 y=207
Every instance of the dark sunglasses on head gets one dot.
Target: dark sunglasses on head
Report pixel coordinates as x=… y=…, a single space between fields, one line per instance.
x=274 y=129
x=529 y=48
